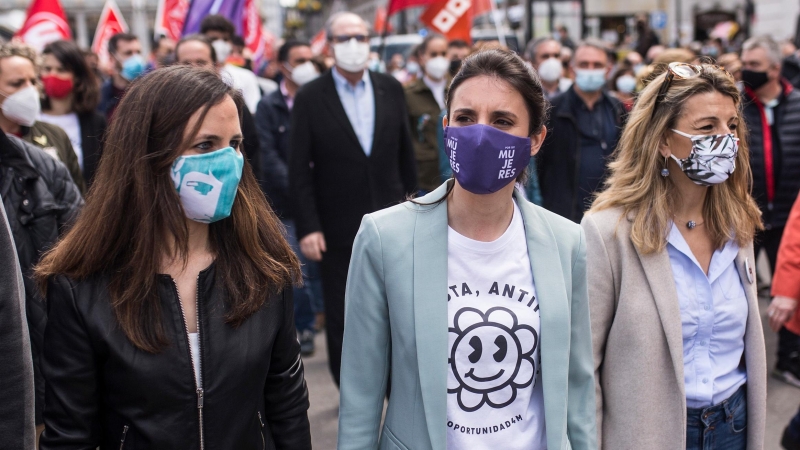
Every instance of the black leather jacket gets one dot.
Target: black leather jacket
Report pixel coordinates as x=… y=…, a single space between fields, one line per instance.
x=104 y=392
x=40 y=200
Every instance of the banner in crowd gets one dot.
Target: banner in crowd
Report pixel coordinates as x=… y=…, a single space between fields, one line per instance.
x=318 y=42
x=453 y=18
x=382 y=24
x=111 y=22
x=45 y=23
x=199 y=9
x=170 y=16
x=399 y=5
x=254 y=39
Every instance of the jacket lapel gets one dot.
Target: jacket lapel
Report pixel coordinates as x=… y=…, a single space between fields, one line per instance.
x=380 y=111
x=554 y=316
x=658 y=272
x=430 y=311
x=334 y=105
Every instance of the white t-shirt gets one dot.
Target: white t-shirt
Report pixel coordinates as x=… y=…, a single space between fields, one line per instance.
x=194 y=345
x=69 y=123
x=437 y=89
x=494 y=389
x=244 y=80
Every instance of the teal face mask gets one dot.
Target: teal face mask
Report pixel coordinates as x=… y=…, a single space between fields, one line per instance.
x=207 y=183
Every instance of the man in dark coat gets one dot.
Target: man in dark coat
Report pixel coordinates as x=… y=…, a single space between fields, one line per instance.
x=772 y=114
x=40 y=200
x=273 y=122
x=16 y=365
x=583 y=129
x=351 y=154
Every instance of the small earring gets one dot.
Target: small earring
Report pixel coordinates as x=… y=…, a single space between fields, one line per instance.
x=665 y=171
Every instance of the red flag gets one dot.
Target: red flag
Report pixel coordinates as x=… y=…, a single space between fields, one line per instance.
x=251 y=30
x=318 y=42
x=453 y=18
x=399 y=5
x=170 y=17
x=111 y=22
x=381 y=21
x=46 y=22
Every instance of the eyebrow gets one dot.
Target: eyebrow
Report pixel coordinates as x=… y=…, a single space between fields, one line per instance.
x=214 y=137
x=494 y=113
x=713 y=119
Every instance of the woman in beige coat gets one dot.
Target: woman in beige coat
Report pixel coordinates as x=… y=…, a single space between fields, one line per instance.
x=678 y=347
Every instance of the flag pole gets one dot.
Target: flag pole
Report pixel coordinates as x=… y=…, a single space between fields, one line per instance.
x=501 y=35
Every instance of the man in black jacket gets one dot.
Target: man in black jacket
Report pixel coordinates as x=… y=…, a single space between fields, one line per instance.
x=351 y=154
x=16 y=365
x=772 y=114
x=40 y=200
x=273 y=124
x=583 y=129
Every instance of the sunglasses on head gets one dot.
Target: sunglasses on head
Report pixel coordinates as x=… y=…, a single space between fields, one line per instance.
x=681 y=71
x=345 y=38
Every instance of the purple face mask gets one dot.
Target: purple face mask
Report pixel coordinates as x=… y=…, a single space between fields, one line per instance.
x=485 y=159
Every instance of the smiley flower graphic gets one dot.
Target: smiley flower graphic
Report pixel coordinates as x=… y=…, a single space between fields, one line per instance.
x=491 y=357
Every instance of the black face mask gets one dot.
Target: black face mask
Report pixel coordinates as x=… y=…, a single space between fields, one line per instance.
x=454 y=66
x=753 y=79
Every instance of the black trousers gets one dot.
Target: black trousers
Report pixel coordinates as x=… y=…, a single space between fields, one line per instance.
x=333 y=268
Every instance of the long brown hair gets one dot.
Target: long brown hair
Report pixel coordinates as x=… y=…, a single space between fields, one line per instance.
x=133 y=211
x=635 y=183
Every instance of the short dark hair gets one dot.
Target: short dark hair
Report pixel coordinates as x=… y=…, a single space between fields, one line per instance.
x=286 y=48
x=457 y=43
x=237 y=40
x=198 y=38
x=216 y=22
x=85 y=91
x=113 y=43
x=509 y=67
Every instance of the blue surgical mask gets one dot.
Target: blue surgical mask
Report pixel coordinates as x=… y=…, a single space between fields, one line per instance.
x=207 y=183
x=590 y=80
x=133 y=67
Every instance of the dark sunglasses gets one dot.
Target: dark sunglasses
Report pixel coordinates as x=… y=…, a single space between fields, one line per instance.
x=681 y=71
x=345 y=38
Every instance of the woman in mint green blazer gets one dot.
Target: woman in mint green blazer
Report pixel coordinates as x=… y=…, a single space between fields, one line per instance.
x=471 y=302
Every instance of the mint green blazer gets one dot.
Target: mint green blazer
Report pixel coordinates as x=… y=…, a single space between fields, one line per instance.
x=396 y=328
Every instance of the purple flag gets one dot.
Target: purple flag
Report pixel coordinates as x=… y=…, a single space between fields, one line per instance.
x=199 y=9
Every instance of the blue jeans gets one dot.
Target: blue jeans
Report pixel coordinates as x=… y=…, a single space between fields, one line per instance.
x=719 y=427
x=308 y=298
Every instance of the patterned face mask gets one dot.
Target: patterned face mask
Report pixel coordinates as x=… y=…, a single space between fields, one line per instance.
x=712 y=160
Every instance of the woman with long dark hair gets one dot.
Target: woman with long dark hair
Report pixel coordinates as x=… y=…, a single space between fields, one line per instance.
x=170 y=310
x=471 y=299
x=71 y=95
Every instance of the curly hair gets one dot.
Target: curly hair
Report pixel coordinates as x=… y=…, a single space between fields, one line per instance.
x=14 y=48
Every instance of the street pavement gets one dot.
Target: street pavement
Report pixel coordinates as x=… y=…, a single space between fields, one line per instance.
x=782 y=400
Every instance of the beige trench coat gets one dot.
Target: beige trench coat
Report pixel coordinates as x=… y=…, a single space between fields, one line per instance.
x=638 y=342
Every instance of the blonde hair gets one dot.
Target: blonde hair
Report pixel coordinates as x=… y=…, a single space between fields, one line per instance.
x=15 y=48
x=635 y=183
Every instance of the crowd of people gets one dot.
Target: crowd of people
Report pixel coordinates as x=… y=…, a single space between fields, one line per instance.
x=555 y=249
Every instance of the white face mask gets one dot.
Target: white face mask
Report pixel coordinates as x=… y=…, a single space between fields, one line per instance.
x=626 y=84
x=437 y=67
x=22 y=107
x=551 y=70
x=351 y=56
x=223 y=49
x=304 y=73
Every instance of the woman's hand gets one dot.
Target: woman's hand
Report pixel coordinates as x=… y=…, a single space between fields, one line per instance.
x=780 y=311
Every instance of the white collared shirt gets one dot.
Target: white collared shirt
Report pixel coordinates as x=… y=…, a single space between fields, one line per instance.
x=359 y=105
x=713 y=317
x=437 y=88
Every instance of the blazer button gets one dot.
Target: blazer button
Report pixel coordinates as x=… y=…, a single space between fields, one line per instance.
x=281 y=129
x=25 y=202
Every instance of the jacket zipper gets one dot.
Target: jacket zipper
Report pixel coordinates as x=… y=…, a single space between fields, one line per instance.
x=124 y=434
x=198 y=388
x=263 y=441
